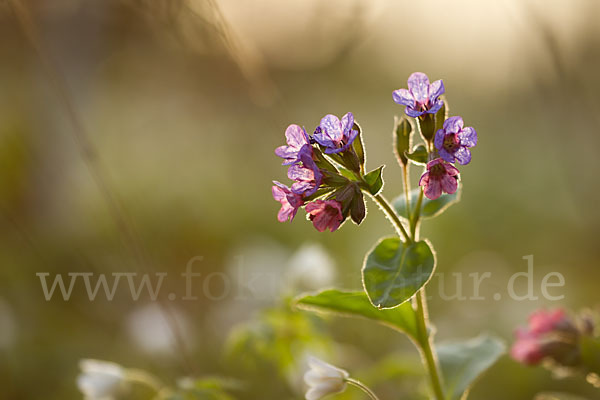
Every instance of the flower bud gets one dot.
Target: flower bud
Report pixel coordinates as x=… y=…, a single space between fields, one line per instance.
x=324 y=379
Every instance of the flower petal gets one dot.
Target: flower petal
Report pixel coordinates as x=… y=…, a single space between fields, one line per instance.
x=449 y=184
x=468 y=137
x=347 y=122
x=418 y=84
x=446 y=155
x=332 y=127
x=433 y=189
x=463 y=155
x=411 y=112
x=404 y=97
x=438 y=141
x=453 y=125
x=436 y=89
x=296 y=136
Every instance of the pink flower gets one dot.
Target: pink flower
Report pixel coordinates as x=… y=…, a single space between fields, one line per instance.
x=527 y=349
x=325 y=214
x=548 y=334
x=290 y=201
x=439 y=177
x=544 y=321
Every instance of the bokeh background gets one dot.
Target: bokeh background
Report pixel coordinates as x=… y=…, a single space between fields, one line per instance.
x=136 y=135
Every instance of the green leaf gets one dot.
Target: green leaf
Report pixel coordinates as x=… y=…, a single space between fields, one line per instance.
x=374 y=180
x=429 y=208
x=402 y=131
x=394 y=271
x=357 y=304
x=441 y=116
x=463 y=362
x=359 y=147
x=418 y=155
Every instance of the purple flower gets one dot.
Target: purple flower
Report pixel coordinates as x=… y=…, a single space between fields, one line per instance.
x=336 y=135
x=439 y=177
x=421 y=96
x=307 y=175
x=453 y=141
x=325 y=214
x=290 y=201
x=297 y=141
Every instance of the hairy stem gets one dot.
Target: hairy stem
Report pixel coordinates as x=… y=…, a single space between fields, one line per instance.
x=392 y=216
x=414 y=221
x=427 y=345
x=144 y=378
x=362 y=387
x=406 y=191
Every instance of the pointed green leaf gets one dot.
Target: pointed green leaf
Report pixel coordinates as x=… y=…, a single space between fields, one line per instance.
x=402 y=132
x=374 y=180
x=359 y=147
x=441 y=116
x=463 y=362
x=357 y=304
x=429 y=208
x=418 y=155
x=394 y=271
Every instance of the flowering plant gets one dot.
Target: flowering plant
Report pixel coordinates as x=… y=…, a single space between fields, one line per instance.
x=330 y=181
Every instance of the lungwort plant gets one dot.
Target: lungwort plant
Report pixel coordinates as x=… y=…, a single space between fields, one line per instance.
x=330 y=181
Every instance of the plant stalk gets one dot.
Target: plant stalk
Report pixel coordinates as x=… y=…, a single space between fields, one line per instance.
x=362 y=387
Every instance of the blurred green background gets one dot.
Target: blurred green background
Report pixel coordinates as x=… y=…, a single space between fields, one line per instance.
x=181 y=104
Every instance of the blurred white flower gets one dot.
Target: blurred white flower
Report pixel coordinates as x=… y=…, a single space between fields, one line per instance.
x=324 y=379
x=311 y=267
x=149 y=327
x=100 y=380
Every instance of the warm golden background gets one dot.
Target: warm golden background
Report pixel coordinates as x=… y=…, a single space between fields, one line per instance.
x=181 y=104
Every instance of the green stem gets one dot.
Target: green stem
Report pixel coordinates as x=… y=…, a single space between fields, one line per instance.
x=414 y=221
x=426 y=345
x=144 y=378
x=392 y=216
x=362 y=387
x=406 y=191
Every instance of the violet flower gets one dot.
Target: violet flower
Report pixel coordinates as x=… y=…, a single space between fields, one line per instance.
x=421 y=96
x=336 y=135
x=439 y=177
x=290 y=201
x=297 y=141
x=454 y=139
x=325 y=214
x=307 y=175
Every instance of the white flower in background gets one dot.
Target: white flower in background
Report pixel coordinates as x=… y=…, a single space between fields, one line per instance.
x=100 y=380
x=324 y=379
x=311 y=267
x=149 y=327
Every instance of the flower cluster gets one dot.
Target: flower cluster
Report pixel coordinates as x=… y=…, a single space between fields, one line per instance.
x=550 y=335
x=328 y=196
x=451 y=142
